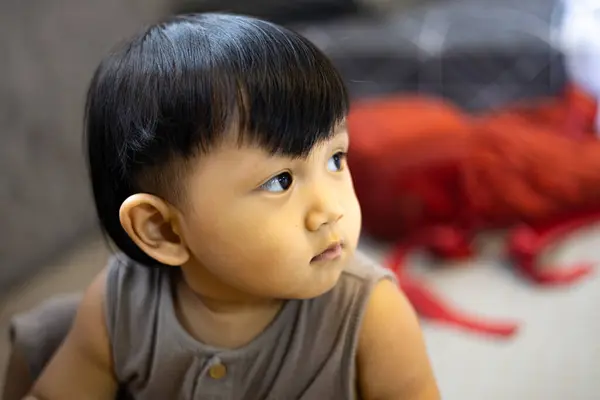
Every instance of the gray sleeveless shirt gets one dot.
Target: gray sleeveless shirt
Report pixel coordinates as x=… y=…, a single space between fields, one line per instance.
x=307 y=353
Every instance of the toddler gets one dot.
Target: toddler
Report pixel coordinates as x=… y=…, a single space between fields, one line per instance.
x=217 y=152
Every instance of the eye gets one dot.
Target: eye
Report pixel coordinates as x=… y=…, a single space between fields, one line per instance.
x=336 y=162
x=279 y=183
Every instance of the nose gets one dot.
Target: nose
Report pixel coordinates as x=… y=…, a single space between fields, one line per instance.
x=325 y=210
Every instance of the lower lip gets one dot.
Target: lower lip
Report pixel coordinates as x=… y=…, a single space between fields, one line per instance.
x=329 y=255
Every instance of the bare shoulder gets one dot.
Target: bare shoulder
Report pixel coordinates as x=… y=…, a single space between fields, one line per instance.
x=89 y=332
x=83 y=363
x=392 y=358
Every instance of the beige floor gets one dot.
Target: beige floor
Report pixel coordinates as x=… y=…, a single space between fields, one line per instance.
x=556 y=356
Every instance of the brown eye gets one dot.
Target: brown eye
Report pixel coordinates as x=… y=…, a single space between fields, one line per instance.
x=279 y=183
x=336 y=162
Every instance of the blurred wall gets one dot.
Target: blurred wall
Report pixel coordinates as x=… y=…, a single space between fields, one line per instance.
x=48 y=51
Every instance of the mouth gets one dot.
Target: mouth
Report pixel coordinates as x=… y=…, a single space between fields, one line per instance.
x=332 y=252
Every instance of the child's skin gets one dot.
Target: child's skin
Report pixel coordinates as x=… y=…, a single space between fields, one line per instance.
x=244 y=229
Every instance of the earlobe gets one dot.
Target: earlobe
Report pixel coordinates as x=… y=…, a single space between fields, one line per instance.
x=150 y=222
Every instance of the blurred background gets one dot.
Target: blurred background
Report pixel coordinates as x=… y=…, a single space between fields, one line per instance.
x=481 y=54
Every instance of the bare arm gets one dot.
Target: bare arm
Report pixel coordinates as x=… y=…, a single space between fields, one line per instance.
x=82 y=366
x=392 y=360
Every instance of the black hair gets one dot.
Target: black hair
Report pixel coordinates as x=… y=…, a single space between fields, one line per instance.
x=171 y=92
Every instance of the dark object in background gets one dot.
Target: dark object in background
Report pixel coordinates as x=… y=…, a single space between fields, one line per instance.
x=279 y=11
x=481 y=54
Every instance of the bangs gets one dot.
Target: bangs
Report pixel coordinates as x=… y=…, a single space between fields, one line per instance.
x=271 y=86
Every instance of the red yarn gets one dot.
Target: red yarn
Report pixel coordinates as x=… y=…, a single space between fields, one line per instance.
x=429 y=175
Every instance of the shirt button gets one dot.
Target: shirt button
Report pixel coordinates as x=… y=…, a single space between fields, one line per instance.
x=217 y=371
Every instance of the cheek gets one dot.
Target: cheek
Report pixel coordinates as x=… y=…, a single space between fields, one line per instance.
x=248 y=247
x=351 y=205
x=353 y=218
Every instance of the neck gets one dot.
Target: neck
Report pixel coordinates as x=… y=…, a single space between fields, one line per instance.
x=210 y=293
x=223 y=322
x=225 y=306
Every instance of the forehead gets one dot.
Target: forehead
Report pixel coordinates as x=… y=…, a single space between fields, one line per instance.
x=234 y=157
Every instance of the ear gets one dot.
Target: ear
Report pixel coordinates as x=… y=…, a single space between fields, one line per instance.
x=153 y=225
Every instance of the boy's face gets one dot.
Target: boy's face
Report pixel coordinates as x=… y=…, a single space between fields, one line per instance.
x=255 y=223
